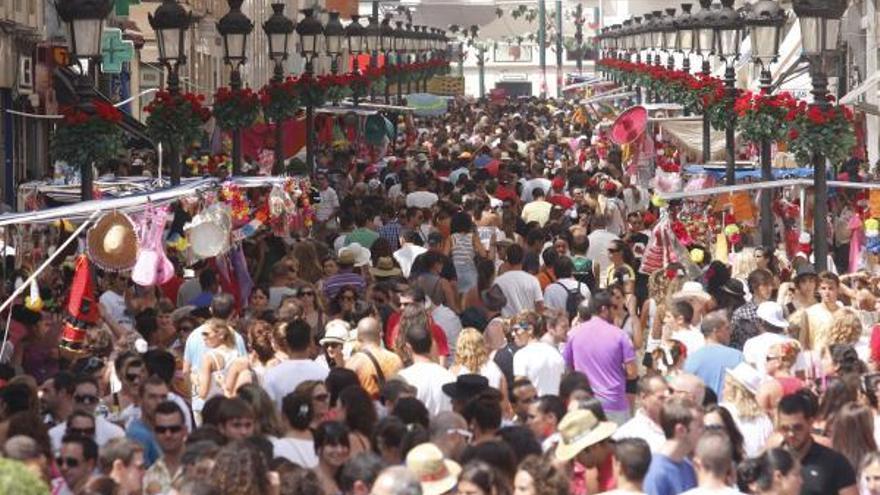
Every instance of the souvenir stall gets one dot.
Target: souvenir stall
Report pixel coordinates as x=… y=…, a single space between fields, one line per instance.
x=204 y=220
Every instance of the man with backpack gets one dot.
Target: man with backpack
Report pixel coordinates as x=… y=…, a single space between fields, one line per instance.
x=372 y=364
x=566 y=293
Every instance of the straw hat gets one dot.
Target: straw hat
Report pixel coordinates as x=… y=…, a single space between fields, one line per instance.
x=772 y=313
x=113 y=242
x=335 y=331
x=436 y=474
x=692 y=290
x=580 y=429
x=354 y=254
x=385 y=268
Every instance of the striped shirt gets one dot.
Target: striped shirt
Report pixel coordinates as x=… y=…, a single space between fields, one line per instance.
x=335 y=283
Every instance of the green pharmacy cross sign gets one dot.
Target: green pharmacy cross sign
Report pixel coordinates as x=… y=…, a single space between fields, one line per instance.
x=114 y=51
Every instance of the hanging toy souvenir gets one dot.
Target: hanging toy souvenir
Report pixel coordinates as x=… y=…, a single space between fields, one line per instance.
x=82 y=308
x=33 y=301
x=153 y=267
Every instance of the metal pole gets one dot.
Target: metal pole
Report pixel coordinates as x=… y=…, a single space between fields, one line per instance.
x=355 y=67
x=579 y=37
x=707 y=131
x=481 y=62
x=235 y=84
x=397 y=60
x=542 y=45
x=173 y=153
x=278 y=167
x=820 y=180
x=387 y=56
x=310 y=126
x=559 y=48
x=768 y=239
x=730 y=128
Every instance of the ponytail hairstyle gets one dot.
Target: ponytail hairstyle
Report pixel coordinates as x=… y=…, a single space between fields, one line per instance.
x=846 y=359
x=756 y=475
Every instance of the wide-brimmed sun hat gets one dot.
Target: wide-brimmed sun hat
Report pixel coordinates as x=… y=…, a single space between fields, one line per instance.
x=771 y=312
x=113 y=242
x=436 y=474
x=580 y=429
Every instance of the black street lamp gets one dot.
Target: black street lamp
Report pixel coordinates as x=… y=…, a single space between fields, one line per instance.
x=704 y=37
x=765 y=21
x=387 y=45
x=669 y=33
x=684 y=23
x=579 y=37
x=235 y=28
x=820 y=30
x=334 y=36
x=728 y=33
x=171 y=22
x=412 y=47
x=400 y=47
x=85 y=23
x=356 y=36
x=310 y=33
x=373 y=44
x=278 y=29
x=657 y=34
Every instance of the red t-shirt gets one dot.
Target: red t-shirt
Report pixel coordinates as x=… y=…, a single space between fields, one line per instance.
x=437 y=333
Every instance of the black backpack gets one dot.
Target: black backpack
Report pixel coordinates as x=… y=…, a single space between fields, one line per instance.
x=573 y=299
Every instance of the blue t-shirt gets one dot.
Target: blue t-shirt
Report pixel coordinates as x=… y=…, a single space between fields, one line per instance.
x=141 y=433
x=667 y=477
x=710 y=362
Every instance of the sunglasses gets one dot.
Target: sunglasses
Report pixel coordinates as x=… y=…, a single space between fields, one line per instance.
x=348 y=298
x=67 y=461
x=85 y=399
x=132 y=376
x=161 y=430
x=86 y=432
x=306 y=293
x=332 y=345
x=321 y=397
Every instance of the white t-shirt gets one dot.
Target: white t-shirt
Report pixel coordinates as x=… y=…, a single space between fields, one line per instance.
x=542 y=364
x=522 y=291
x=296 y=450
x=286 y=376
x=446 y=319
x=490 y=370
x=104 y=432
x=755 y=431
x=641 y=426
x=421 y=199
x=692 y=339
x=556 y=294
x=329 y=203
x=531 y=184
x=115 y=305
x=428 y=379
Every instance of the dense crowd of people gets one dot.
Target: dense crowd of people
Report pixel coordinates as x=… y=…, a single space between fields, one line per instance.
x=467 y=315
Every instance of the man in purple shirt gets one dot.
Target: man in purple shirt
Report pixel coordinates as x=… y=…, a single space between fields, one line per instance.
x=605 y=354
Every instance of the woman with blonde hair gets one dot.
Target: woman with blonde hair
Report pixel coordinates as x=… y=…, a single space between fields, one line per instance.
x=658 y=290
x=780 y=359
x=744 y=263
x=472 y=357
x=216 y=365
x=739 y=399
x=846 y=327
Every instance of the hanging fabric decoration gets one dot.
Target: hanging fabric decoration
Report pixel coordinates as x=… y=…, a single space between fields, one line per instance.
x=153 y=267
x=82 y=307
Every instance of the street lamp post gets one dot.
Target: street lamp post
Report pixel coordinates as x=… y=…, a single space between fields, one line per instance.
x=235 y=28
x=386 y=43
x=356 y=36
x=334 y=34
x=766 y=20
x=657 y=35
x=400 y=36
x=85 y=23
x=820 y=30
x=669 y=39
x=728 y=33
x=685 y=39
x=171 y=22
x=704 y=37
x=373 y=39
x=579 y=36
x=310 y=32
x=278 y=29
